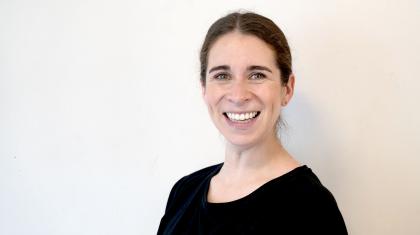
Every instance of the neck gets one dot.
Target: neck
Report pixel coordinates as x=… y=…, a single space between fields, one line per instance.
x=268 y=156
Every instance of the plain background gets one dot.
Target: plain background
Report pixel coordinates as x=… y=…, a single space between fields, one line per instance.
x=101 y=110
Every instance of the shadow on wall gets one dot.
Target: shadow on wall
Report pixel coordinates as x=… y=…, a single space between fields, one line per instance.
x=308 y=137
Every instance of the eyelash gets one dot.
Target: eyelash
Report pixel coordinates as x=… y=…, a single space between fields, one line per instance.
x=261 y=76
x=218 y=76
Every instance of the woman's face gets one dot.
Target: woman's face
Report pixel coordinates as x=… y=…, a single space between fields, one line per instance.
x=243 y=91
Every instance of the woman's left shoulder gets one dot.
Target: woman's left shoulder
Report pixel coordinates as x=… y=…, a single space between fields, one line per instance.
x=307 y=182
x=317 y=202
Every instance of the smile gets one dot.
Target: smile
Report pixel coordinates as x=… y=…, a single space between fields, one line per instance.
x=241 y=117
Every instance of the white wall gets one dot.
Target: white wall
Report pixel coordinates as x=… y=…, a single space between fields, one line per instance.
x=100 y=109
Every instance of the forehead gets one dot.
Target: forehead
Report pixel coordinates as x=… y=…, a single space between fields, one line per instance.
x=241 y=49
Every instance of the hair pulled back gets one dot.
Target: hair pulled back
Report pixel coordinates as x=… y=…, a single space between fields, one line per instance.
x=249 y=23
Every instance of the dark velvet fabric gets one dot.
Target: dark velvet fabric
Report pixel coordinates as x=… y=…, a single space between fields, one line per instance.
x=294 y=203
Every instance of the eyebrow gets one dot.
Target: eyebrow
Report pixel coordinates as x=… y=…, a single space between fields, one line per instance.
x=250 y=68
x=259 y=67
x=220 y=67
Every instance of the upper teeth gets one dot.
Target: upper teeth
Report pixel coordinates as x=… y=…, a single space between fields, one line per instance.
x=241 y=116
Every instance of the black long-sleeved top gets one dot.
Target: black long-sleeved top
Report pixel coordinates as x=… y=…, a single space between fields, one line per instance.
x=294 y=203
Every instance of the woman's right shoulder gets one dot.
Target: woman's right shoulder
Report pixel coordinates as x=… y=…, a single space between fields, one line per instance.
x=195 y=178
x=191 y=182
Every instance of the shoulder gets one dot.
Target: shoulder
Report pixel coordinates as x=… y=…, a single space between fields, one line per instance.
x=199 y=175
x=195 y=178
x=315 y=203
x=302 y=181
x=187 y=184
x=306 y=188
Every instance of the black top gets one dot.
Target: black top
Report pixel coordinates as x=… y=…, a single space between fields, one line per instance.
x=294 y=203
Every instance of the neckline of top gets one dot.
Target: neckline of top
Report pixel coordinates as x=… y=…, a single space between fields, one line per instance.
x=286 y=176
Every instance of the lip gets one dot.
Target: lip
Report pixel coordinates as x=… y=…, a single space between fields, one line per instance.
x=242 y=125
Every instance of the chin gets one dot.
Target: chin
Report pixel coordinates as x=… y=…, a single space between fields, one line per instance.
x=242 y=142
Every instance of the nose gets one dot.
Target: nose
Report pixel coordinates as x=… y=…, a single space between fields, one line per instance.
x=239 y=93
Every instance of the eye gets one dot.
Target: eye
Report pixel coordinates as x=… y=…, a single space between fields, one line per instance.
x=221 y=77
x=257 y=76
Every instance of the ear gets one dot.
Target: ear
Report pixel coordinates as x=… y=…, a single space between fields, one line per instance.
x=288 y=90
x=203 y=91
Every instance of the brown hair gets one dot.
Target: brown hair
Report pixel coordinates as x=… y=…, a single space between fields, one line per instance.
x=252 y=24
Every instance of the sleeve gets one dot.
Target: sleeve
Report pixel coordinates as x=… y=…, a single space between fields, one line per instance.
x=171 y=202
x=175 y=191
x=323 y=214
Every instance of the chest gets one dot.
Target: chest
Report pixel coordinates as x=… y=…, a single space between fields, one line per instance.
x=250 y=215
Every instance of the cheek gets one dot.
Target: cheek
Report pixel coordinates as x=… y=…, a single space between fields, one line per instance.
x=271 y=95
x=211 y=96
x=275 y=102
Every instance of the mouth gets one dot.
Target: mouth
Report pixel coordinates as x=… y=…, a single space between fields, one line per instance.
x=242 y=117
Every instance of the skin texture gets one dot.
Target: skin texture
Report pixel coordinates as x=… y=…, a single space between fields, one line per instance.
x=242 y=76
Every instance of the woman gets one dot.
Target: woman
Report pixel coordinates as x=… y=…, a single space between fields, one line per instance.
x=246 y=78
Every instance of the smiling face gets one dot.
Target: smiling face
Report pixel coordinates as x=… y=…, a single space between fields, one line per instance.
x=243 y=90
